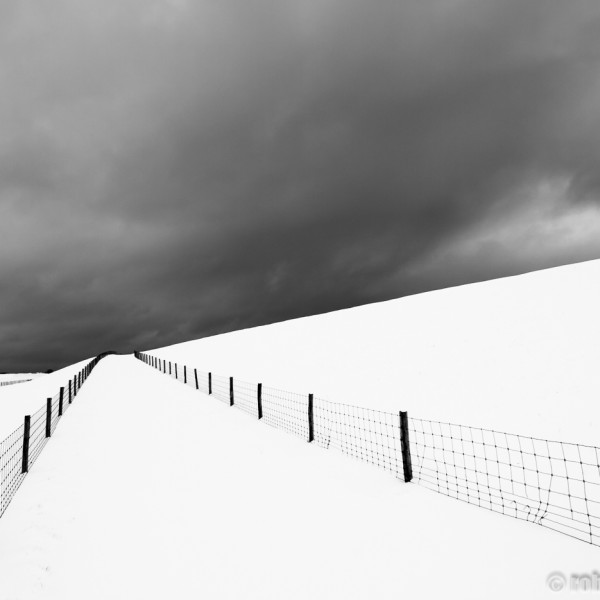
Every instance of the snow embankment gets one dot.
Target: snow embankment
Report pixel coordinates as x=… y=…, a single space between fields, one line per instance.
x=16 y=401
x=517 y=354
x=150 y=489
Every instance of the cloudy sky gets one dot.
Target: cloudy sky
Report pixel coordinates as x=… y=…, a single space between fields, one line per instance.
x=171 y=169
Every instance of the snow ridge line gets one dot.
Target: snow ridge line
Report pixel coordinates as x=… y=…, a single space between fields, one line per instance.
x=21 y=448
x=549 y=483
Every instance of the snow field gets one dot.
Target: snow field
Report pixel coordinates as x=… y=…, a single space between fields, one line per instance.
x=149 y=489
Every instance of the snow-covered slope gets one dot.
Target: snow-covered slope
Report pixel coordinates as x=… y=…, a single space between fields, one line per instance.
x=152 y=490
x=16 y=401
x=518 y=354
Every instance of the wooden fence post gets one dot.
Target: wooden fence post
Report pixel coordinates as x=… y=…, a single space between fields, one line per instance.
x=70 y=393
x=26 y=429
x=210 y=383
x=169 y=367
x=60 y=401
x=48 y=417
x=259 y=399
x=196 y=377
x=184 y=374
x=231 y=391
x=405 y=445
x=311 y=421
x=176 y=377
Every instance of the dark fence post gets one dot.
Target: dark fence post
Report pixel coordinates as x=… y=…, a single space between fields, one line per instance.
x=60 y=401
x=210 y=383
x=184 y=374
x=70 y=393
x=48 y=416
x=231 y=391
x=164 y=366
x=311 y=421
x=169 y=367
x=259 y=399
x=26 y=428
x=176 y=376
x=196 y=377
x=404 y=443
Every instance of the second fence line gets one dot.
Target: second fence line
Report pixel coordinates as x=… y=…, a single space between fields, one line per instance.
x=549 y=483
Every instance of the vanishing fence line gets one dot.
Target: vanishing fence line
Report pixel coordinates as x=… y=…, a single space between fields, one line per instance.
x=20 y=450
x=3 y=383
x=550 y=483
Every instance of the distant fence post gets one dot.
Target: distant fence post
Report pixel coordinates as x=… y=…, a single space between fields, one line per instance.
x=70 y=392
x=404 y=443
x=176 y=376
x=184 y=374
x=26 y=429
x=48 y=416
x=210 y=383
x=259 y=399
x=60 y=401
x=169 y=367
x=311 y=421
x=231 y=391
x=196 y=377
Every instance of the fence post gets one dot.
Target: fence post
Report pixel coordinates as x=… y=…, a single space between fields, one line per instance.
x=176 y=376
x=70 y=393
x=184 y=374
x=169 y=367
x=231 y=391
x=60 y=401
x=48 y=416
x=196 y=377
x=164 y=366
x=404 y=444
x=210 y=383
x=311 y=422
x=259 y=399
x=26 y=428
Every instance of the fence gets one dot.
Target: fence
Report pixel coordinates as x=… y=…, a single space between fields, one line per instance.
x=549 y=483
x=20 y=450
x=3 y=383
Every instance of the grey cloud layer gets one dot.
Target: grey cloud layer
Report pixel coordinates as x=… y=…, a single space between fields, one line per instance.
x=172 y=169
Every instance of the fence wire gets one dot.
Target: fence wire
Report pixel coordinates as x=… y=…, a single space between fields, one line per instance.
x=13 y=382
x=554 y=484
x=549 y=483
x=370 y=435
x=12 y=447
x=11 y=459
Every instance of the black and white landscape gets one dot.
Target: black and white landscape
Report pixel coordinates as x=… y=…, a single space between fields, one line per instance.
x=372 y=227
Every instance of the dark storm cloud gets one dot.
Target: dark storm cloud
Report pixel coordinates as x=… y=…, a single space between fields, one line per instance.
x=171 y=169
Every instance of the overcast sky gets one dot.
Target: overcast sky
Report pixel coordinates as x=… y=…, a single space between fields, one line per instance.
x=174 y=169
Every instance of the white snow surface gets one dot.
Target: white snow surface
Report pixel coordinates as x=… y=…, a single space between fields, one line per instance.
x=22 y=399
x=518 y=354
x=150 y=489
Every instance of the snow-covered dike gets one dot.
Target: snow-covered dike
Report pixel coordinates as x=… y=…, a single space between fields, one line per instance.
x=150 y=489
x=16 y=401
x=518 y=354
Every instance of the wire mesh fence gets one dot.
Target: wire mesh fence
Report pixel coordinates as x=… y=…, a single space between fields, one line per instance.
x=555 y=484
x=13 y=382
x=20 y=450
x=549 y=483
